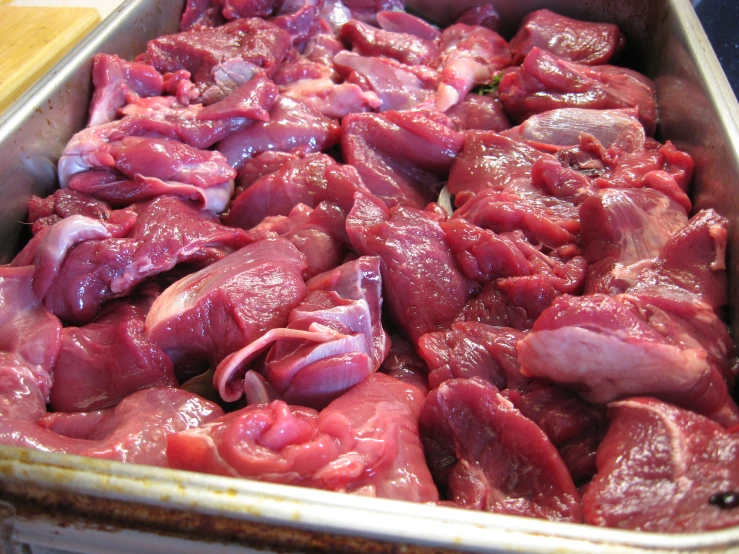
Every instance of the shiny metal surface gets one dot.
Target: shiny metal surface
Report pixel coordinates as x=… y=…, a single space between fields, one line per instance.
x=76 y=503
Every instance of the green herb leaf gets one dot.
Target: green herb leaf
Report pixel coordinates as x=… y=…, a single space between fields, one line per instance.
x=490 y=87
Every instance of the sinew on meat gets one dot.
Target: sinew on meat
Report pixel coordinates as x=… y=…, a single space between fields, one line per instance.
x=252 y=205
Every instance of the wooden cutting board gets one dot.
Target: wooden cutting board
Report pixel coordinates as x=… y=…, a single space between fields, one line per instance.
x=32 y=40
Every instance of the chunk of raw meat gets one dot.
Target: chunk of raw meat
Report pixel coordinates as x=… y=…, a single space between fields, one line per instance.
x=209 y=314
x=115 y=80
x=202 y=13
x=334 y=339
x=310 y=180
x=402 y=157
x=320 y=235
x=365 y=442
x=663 y=469
x=692 y=260
x=580 y=41
x=479 y=112
x=490 y=457
x=544 y=82
x=135 y=169
x=603 y=349
x=292 y=127
x=483 y=255
x=402 y=22
x=423 y=288
x=45 y=212
x=397 y=85
x=562 y=128
x=483 y=16
x=549 y=222
x=259 y=166
x=628 y=226
x=168 y=231
x=221 y=59
x=561 y=181
x=469 y=350
x=490 y=160
x=493 y=306
x=334 y=15
x=135 y=431
x=404 y=364
x=300 y=18
x=105 y=361
x=30 y=338
x=406 y=48
x=470 y=56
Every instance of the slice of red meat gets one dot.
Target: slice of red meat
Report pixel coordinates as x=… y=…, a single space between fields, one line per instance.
x=422 y=286
x=490 y=457
x=403 y=22
x=406 y=48
x=544 y=82
x=580 y=41
x=480 y=113
x=209 y=314
x=663 y=469
x=404 y=364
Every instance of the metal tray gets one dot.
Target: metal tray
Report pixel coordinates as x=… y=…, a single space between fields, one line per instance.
x=97 y=506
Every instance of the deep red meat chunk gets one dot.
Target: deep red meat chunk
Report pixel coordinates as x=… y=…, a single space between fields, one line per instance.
x=663 y=469
x=580 y=41
x=370 y=41
x=490 y=457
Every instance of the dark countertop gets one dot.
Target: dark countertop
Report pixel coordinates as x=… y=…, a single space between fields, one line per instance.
x=720 y=19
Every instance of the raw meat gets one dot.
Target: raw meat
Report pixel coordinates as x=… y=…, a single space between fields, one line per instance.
x=402 y=22
x=490 y=457
x=544 y=82
x=115 y=80
x=334 y=339
x=365 y=442
x=580 y=41
x=292 y=127
x=221 y=59
x=209 y=314
x=663 y=469
x=370 y=41
x=402 y=157
x=411 y=245
x=135 y=431
x=105 y=361
x=470 y=56
x=478 y=112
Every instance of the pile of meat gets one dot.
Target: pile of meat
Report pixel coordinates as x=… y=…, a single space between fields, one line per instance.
x=246 y=271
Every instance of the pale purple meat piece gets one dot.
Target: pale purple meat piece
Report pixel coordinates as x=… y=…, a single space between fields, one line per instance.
x=403 y=22
x=30 y=338
x=423 y=288
x=402 y=157
x=580 y=41
x=544 y=82
x=334 y=14
x=221 y=59
x=604 y=349
x=103 y=362
x=367 y=10
x=405 y=48
x=135 y=431
x=663 y=469
x=310 y=180
x=114 y=80
x=300 y=18
x=209 y=314
x=334 y=339
x=365 y=442
x=259 y=166
x=398 y=86
x=293 y=127
x=470 y=56
x=44 y=212
x=203 y=13
x=168 y=231
x=490 y=457
x=480 y=113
